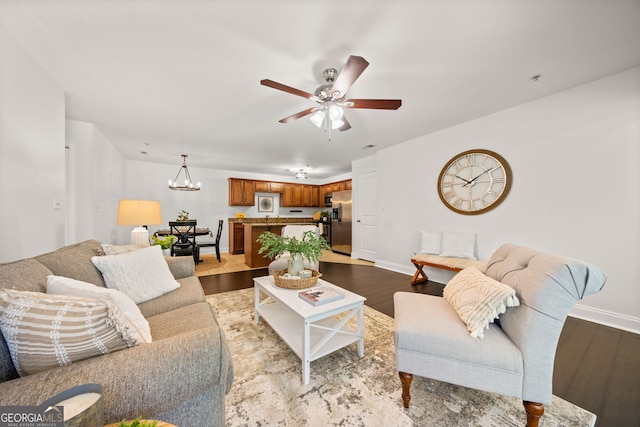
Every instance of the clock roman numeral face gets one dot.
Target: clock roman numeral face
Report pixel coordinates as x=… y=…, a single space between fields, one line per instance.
x=474 y=182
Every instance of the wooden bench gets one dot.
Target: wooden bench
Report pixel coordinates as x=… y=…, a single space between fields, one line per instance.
x=445 y=263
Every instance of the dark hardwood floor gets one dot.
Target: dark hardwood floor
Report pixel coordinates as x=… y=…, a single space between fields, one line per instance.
x=596 y=367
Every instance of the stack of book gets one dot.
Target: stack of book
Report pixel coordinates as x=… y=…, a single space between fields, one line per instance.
x=321 y=295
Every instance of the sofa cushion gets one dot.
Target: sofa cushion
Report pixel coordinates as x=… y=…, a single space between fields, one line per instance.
x=432 y=342
x=45 y=331
x=182 y=320
x=189 y=292
x=478 y=299
x=141 y=274
x=24 y=275
x=74 y=261
x=58 y=285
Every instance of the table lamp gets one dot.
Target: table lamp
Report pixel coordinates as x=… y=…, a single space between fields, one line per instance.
x=139 y=213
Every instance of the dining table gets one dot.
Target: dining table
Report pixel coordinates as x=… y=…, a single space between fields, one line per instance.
x=199 y=232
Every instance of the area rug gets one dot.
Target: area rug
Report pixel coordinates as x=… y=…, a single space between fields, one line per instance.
x=346 y=390
x=209 y=262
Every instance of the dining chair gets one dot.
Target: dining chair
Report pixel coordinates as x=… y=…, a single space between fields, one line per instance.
x=185 y=231
x=215 y=244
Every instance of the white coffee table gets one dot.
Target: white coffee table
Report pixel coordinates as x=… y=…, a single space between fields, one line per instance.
x=311 y=332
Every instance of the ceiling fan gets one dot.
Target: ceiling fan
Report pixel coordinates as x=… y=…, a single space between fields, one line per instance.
x=332 y=96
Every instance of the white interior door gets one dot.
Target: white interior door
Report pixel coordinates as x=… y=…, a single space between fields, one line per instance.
x=366 y=219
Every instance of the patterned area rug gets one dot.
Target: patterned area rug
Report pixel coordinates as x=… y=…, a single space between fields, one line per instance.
x=347 y=390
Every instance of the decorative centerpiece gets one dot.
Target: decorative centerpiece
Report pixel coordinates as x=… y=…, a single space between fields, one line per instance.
x=183 y=216
x=309 y=248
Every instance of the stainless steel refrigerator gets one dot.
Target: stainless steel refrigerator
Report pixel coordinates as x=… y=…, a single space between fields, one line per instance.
x=341 y=222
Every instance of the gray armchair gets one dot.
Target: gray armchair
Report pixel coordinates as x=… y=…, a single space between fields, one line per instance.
x=515 y=357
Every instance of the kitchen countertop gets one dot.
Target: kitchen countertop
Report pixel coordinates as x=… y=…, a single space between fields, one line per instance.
x=272 y=221
x=269 y=224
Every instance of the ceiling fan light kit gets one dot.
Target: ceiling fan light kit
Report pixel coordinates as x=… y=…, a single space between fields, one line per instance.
x=188 y=182
x=331 y=96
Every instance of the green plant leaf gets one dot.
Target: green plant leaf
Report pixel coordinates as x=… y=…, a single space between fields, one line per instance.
x=166 y=242
x=310 y=246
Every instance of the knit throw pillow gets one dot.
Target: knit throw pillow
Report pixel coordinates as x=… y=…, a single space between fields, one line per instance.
x=44 y=331
x=141 y=274
x=478 y=299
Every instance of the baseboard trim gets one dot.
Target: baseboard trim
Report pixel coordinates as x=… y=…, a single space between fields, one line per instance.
x=606 y=318
x=596 y=315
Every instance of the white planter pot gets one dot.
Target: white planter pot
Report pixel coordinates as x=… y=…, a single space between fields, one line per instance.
x=295 y=265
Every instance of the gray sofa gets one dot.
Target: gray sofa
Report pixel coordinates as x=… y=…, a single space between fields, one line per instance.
x=182 y=377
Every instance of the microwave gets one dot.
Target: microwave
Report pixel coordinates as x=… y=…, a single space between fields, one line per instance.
x=327 y=199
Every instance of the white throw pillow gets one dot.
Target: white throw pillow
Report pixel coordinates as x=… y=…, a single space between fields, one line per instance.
x=430 y=242
x=58 y=285
x=45 y=331
x=142 y=275
x=458 y=244
x=478 y=299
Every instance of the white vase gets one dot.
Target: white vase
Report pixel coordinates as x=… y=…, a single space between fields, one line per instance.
x=296 y=263
x=166 y=252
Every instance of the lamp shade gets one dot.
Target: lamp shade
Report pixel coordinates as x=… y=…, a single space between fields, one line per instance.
x=139 y=212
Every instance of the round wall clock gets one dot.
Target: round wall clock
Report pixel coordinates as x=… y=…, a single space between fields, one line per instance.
x=474 y=182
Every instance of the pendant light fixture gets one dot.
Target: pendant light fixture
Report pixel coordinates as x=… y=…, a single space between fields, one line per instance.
x=188 y=182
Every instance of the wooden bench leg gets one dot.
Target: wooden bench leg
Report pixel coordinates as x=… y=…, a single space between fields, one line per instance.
x=419 y=276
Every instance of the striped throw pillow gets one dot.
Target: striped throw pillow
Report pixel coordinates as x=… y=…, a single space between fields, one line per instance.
x=44 y=331
x=478 y=299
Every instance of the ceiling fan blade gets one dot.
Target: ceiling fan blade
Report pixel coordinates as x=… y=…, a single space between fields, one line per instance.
x=298 y=115
x=285 y=88
x=352 y=69
x=345 y=126
x=376 y=104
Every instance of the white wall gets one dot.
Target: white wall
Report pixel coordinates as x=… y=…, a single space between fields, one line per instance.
x=576 y=188
x=32 y=155
x=149 y=181
x=94 y=183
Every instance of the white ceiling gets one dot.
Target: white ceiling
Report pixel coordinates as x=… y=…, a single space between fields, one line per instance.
x=172 y=77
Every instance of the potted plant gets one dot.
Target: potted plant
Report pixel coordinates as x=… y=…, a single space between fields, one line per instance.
x=309 y=247
x=165 y=243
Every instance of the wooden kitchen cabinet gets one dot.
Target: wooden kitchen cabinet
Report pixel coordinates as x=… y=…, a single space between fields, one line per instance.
x=262 y=186
x=292 y=195
x=276 y=187
x=310 y=196
x=241 y=192
x=268 y=187
x=300 y=195
x=251 y=233
x=236 y=238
